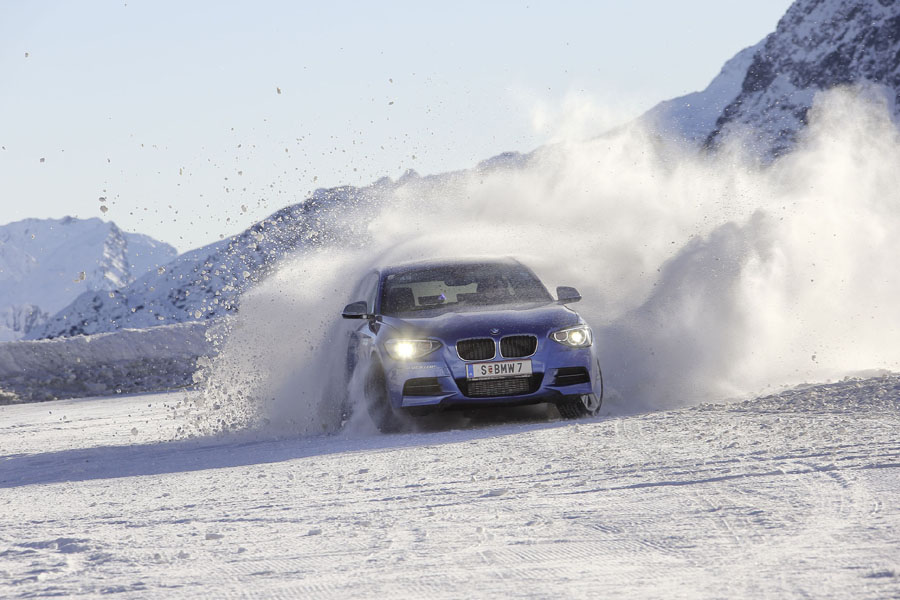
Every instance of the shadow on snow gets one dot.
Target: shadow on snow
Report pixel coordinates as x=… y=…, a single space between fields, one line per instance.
x=235 y=450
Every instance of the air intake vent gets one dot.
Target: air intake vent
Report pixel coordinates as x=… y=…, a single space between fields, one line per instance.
x=422 y=386
x=518 y=346
x=493 y=388
x=476 y=349
x=571 y=376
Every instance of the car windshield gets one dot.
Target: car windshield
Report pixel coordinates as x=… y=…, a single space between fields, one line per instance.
x=460 y=286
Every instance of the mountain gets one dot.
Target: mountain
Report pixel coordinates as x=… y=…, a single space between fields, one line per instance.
x=47 y=263
x=205 y=283
x=691 y=118
x=765 y=92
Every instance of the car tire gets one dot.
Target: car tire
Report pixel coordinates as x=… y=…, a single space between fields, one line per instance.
x=579 y=405
x=378 y=402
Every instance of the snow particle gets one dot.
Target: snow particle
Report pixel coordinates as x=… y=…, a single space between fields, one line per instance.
x=161 y=270
x=134 y=431
x=43 y=159
x=104 y=209
x=278 y=89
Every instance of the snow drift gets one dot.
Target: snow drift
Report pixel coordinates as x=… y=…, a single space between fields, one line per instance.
x=127 y=361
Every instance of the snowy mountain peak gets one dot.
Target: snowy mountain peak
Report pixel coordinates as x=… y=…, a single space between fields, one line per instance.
x=690 y=118
x=205 y=283
x=46 y=263
x=765 y=92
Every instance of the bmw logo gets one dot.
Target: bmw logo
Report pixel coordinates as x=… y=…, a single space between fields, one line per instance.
x=495 y=331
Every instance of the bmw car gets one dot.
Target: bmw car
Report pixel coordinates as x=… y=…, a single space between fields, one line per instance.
x=462 y=334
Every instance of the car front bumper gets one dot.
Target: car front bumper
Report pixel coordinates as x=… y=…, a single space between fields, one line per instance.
x=441 y=383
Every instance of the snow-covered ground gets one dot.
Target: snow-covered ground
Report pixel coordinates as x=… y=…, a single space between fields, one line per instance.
x=794 y=495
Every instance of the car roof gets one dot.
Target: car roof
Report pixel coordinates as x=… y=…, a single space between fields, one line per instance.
x=447 y=262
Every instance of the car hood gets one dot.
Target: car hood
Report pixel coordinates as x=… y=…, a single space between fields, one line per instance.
x=451 y=326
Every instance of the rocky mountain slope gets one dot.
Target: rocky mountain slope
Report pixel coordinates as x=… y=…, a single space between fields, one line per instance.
x=46 y=263
x=765 y=92
x=205 y=283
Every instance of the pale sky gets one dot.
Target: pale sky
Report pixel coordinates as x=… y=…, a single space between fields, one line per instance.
x=171 y=109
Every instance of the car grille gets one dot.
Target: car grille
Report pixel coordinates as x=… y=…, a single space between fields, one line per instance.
x=507 y=386
x=476 y=349
x=422 y=386
x=571 y=376
x=518 y=346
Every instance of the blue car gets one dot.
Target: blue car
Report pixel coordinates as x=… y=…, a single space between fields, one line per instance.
x=439 y=335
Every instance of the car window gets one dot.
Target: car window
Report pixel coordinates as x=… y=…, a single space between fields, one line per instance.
x=460 y=286
x=370 y=291
x=366 y=290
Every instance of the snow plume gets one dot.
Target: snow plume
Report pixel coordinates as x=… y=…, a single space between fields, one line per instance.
x=280 y=369
x=704 y=277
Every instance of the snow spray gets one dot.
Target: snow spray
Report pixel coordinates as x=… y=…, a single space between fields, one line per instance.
x=705 y=276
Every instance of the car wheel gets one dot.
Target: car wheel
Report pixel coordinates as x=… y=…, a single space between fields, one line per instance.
x=579 y=405
x=379 y=404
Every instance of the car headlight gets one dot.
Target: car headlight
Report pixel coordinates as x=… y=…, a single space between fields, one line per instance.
x=579 y=336
x=410 y=349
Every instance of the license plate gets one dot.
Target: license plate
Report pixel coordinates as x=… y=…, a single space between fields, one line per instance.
x=492 y=370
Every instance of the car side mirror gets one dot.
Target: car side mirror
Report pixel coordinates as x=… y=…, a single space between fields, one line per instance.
x=356 y=310
x=567 y=294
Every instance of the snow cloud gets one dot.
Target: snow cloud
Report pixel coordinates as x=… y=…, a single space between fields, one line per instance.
x=705 y=277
